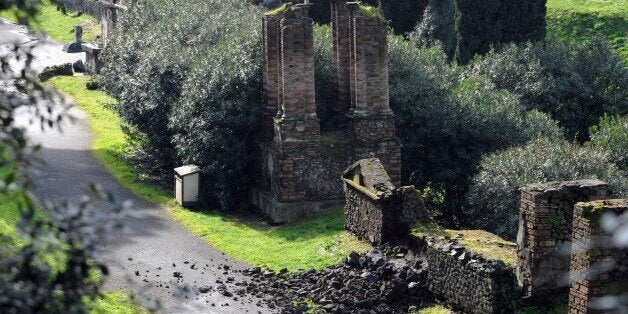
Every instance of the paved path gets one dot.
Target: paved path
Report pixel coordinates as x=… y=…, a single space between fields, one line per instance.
x=143 y=257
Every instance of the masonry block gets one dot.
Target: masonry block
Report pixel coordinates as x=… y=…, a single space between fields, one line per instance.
x=596 y=267
x=545 y=230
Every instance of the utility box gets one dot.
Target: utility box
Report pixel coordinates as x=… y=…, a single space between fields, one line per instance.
x=187 y=185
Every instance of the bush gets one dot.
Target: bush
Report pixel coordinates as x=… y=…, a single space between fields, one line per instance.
x=446 y=123
x=575 y=84
x=493 y=200
x=481 y=25
x=611 y=135
x=324 y=67
x=190 y=80
x=437 y=27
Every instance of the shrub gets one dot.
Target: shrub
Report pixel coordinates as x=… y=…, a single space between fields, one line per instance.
x=437 y=27
x=481 y=25
x=493 y=200
x=446 y=124
x=611 y=135
x=190 y=80
x=575 y=84
x=324 y=80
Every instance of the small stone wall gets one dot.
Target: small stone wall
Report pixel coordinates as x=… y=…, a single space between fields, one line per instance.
x=545 y=230
x=374 y=208
x=468 y=282
x=595 y=267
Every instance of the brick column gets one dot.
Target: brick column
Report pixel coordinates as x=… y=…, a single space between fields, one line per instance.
x=271 y=46
x=373 y=123
x=297 y=129
x=595 y=266
x=341 y=30
x=545 y=229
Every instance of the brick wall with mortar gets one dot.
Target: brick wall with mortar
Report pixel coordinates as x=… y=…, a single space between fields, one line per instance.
x=296 y=127
x=271 y=47
x=342 y=38
x=294 y=166
x=372 y=120
x=595 y=267
x=545 y=230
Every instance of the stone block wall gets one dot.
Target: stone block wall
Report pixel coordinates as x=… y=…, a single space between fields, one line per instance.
x=467 y=281
x=595 y=266
x=372 y=218
x=545 y=230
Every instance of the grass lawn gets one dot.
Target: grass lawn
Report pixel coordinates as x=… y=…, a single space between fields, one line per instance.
x=580 y=19
x=58 y=25
x=313 y=243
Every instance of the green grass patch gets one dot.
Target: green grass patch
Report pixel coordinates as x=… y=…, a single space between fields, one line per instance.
x=578 y=20
x=312 y=243
x=116 y=303
x=433 y=309
x=58 y=25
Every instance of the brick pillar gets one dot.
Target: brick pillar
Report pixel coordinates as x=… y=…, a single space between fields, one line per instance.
x=271 y=44
x=341 y=30
x=373 y=123
x=297 y=130
x=545 y=229
x=595 y=267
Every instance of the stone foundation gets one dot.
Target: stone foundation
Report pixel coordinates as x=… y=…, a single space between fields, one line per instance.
x=92 y=58
x=545 y=230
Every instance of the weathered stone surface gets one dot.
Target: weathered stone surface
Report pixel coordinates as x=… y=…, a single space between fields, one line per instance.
x=468 y=281
x=92 y=58
x=51 y=71
x=374 y=208
x=545 y=230
x=596 y=268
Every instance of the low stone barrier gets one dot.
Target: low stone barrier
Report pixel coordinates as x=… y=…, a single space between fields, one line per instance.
x=468 y=281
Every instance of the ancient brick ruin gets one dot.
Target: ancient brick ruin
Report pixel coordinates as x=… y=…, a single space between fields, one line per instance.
x=596 y=269
x=300 y=165
x=374 y=208
x=545 y=231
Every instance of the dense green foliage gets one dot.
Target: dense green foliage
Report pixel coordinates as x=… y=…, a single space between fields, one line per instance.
x=611 y=135
x=437 y=27
x=402 y=14
x=190 y=80
x=575 y=84
x=481 y=25
x=494 y=193
x=446 y=122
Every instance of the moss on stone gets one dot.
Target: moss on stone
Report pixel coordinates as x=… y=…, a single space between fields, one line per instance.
x=432 y=309
x=487 y=244
x=276 y=10
x=429 y=229
x=481 y=242
x=595 y=209
x=368 y=10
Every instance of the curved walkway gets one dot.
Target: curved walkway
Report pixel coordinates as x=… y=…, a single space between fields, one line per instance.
x=153 y=247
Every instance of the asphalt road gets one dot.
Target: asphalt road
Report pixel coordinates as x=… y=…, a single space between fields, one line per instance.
x=152 y=247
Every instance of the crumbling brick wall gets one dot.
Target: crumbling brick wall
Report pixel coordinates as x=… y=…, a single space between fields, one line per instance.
x=595 y=265
x=545 y=230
